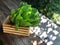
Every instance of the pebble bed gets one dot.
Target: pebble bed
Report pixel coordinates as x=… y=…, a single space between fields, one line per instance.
x=47 y=32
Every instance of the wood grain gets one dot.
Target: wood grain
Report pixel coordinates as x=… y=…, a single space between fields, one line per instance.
x=8 y=28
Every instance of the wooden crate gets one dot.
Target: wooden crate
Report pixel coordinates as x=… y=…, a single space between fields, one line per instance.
x=7 y=28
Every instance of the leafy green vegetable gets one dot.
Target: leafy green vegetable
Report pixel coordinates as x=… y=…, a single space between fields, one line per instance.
x=25 y=15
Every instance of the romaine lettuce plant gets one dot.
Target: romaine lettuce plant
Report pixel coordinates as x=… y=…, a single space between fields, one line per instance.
x=25 y=16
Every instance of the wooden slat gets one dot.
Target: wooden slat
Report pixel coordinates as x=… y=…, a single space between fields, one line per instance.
x=22 y=34
x=16 y=31
x=7 y=25
x=13 y=31
x=7 y=28
x=20 y=29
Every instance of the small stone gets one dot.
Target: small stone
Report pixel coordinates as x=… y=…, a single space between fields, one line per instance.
x=31 y=30
x=48 y=25
x=49 y=43
x=54 y=25
x=43 y=35
x=49 y=30
x=55 y=32
x=45 y=40
x=40 y=42
x=43 y=21
x=35 y=43
x=53 y=38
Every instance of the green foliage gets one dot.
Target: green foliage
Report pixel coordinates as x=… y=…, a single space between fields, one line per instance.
x=24 y=15
x=56 y=18
x=47 y=7
x=41 y=5
x=54 y=10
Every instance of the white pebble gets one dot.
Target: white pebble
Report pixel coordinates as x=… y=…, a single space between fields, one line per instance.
x=43 y=21
x=48 y=25
x=35 y=43
x=42 y=28
x=45 y=40
x=35 y=28
x=38 y=31
x=40 y=42
x=53 y=38
x=43 y=35
x=55 y=32
x=50 y=43
x=31 y=30
x=54 y=25
x=49 y=30
x=49 y=22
